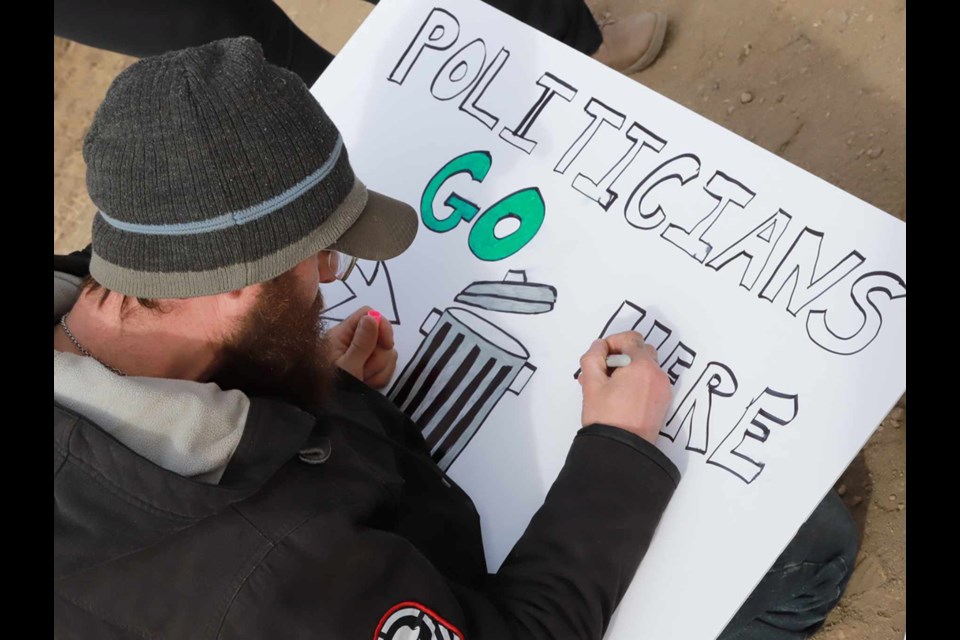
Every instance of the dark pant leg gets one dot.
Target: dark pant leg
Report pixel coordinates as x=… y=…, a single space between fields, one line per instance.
x=805 y=583
x=568 y=21
x=149 y=27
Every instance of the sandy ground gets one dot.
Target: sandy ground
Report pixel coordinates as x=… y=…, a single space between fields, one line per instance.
x=820 y=82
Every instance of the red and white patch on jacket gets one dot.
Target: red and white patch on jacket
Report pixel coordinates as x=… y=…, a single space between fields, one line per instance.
x=413 y=621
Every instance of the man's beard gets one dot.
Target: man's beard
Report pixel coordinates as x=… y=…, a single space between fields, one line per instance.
x=280 y=349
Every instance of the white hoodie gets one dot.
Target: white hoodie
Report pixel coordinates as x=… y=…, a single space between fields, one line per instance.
x=190 y=428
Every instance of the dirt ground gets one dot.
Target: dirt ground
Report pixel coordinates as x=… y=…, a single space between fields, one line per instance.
x=821 y=83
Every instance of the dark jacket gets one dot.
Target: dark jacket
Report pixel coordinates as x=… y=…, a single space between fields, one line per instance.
x=338 y=526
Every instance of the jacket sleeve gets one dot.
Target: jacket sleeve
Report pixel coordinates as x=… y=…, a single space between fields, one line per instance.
x=570 y=569
x=562 y=580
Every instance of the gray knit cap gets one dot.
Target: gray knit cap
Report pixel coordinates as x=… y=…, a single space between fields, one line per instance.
x=214 y=170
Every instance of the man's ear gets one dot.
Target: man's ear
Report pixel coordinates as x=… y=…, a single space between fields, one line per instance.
x=237 y=303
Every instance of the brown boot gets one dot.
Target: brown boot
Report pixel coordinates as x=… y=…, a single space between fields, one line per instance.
x=631 y=43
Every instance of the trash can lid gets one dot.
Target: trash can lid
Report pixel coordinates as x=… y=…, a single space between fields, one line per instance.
x=511 y=295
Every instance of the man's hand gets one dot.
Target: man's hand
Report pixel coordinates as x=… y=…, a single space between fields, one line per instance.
x=635 y=397
x=363 y=346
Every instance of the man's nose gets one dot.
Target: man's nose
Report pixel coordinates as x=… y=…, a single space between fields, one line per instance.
x=327 y=270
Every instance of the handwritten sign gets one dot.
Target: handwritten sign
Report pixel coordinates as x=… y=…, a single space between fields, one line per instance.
x=560 y=201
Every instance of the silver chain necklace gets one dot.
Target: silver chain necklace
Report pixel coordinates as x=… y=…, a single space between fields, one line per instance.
x=82 y=349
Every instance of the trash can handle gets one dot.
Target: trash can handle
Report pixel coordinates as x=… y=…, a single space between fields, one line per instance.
x=523 y=377
x=431 y=321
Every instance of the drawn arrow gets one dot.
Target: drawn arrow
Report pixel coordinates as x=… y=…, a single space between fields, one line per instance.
x=369 y=284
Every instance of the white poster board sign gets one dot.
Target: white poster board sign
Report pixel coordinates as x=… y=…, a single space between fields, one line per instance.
x=560 y=201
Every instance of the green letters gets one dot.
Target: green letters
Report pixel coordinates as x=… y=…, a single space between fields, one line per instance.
x=525 y=206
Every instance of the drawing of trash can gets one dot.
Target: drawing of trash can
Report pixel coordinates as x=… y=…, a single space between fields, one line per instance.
x=460 y=371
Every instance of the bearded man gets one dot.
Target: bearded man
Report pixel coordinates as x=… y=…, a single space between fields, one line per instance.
x=223 y=466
